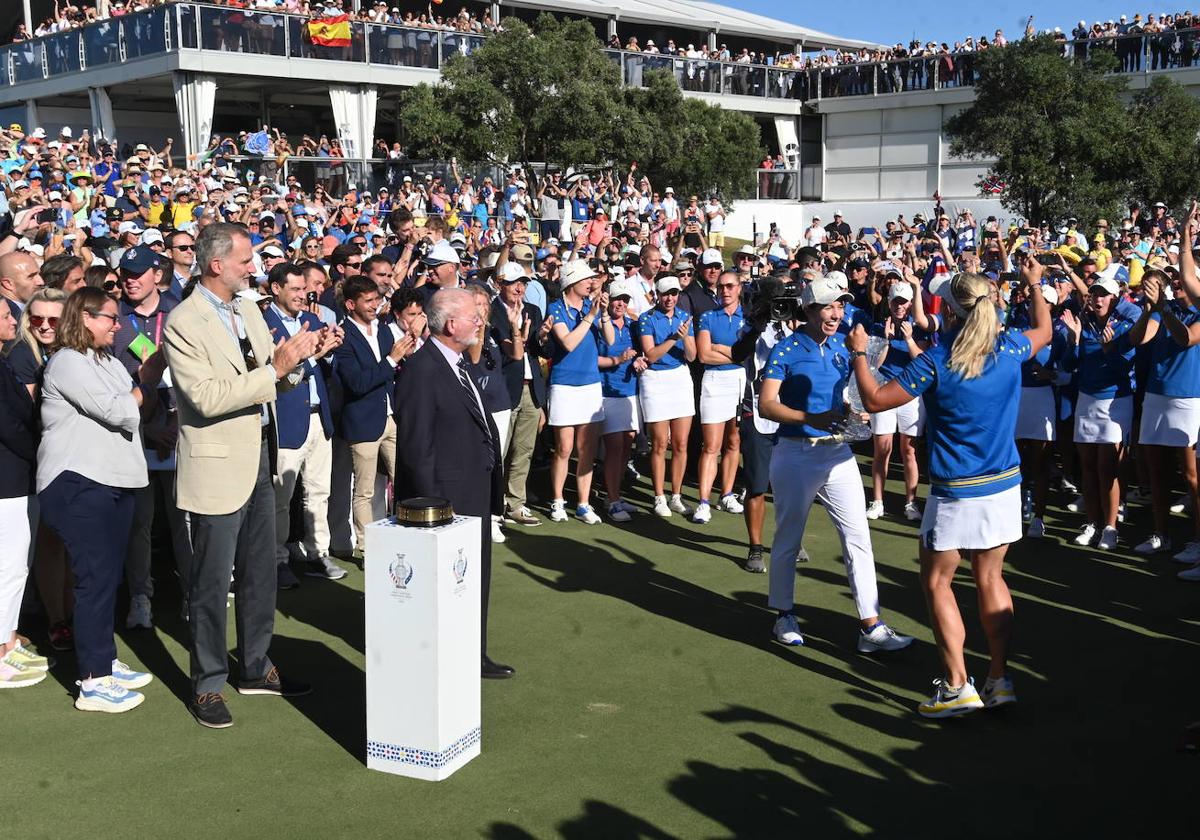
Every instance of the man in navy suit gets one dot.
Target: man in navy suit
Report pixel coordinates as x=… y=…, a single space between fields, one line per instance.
x=451 y=447
x=305 y=422
x=19 y=280
x=365 y=367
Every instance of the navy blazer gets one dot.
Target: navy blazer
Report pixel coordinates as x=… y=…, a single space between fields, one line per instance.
x=444 y=448
x=18 y=436
x=365 y=383
x=293 y=407
x=514 y=369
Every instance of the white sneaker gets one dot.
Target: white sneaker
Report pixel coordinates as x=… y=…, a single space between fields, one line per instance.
x=1190 y=574
x=139 y=613
x=875 y=510
x=787 y=631
x=1183 y=505
x=998 y=692
x=730 y=503
x=1120 y=514
x=586 y=515
x=676 y=504
x=948 y=702
x=881 y=637
x=702 y=514
x=1075 y=505
x=126 y=677
x=1036 y=529
x=558 y=511
x=1086 y=535
x=1067 y=485
x=107 y=695
x=497 y=533
x=912 y=513
x=1108 y=539
x=661 y=508
x=618 y=511
x=1190 y=553
x=1153 y=544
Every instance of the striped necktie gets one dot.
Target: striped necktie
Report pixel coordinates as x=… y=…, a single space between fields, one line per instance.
x=464 y=379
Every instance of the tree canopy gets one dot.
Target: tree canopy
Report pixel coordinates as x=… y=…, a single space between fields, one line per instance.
x=548 y=93
x=1067 y=138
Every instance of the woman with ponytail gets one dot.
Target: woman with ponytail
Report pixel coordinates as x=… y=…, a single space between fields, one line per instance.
x=971 y=386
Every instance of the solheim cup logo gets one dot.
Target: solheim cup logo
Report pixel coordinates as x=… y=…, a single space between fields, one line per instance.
x=460 y=566
x=400 y=572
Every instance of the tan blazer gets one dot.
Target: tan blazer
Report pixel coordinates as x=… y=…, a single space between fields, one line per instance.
x=219 y=403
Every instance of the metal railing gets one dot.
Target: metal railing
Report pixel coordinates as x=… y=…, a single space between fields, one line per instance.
x=199 y=26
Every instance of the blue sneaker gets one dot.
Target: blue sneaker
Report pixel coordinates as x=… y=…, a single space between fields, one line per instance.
x=584 y=513
x=787 y=631
x=126 y=677
x=107 y=696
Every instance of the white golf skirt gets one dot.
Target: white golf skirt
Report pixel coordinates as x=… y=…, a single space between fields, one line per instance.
x=666 y=394
x=907 y=419
x=1035 y=416
x=972 y=524
x=574 y=405
x=1103 y=420
x=721 y=392
x=1170 y=421
x=620 y=415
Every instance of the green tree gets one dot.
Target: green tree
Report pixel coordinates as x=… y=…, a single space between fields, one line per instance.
x=1052 y=125
x=1164 y=158
x=549 y=93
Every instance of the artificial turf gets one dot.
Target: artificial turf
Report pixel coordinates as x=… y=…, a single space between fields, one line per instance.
x=651 y=703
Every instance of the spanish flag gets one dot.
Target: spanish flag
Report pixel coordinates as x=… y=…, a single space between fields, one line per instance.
x=330 y=31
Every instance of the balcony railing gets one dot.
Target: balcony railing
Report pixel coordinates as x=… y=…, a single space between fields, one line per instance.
x=198 y=26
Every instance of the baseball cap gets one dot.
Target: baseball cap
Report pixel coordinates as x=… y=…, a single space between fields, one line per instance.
x=114 y=214
x=129 y=227
x=55 y=195
x=839 y=279
x=524 y=253
x=822 y=292
x=271 y=251
x=138 y=260
x=712 y=257
x=900 y=291
x=1050 y=293
x=441 y=252
x=512 y=272
x=667 y=283
x=620 y=288
x=151 y=235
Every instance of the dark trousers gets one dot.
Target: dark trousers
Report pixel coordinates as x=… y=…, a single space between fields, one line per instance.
x=93 y=521
x=241 y=544
x=548 y=229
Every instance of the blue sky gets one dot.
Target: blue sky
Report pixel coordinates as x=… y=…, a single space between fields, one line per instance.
x=889 y=22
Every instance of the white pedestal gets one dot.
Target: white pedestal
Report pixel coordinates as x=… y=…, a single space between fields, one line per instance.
x=422 y=647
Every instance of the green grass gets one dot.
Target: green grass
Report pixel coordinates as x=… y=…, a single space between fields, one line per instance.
x=650 y=704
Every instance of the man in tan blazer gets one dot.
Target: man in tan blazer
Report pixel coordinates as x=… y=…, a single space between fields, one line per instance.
x=227 y=370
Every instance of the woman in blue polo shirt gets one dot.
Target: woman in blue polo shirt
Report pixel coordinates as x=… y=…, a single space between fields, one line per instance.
x=721 y=390
x=1099 y=349
x=620 y=364
x=904 y=342
x=970 y=382
x=803 y=390
x=668 y=403
x=1170 y=328
x=576 y=398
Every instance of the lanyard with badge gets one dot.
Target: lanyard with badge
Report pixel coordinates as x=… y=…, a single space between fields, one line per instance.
x=142 y=345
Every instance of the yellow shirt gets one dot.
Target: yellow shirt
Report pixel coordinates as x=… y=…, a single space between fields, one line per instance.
x=181 y=213
x=154 y=219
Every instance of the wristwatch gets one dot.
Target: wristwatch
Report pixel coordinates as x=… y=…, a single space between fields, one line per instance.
x=854 y=354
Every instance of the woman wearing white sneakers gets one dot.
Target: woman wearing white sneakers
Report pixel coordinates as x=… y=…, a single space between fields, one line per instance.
x=576 y=397
x=665 y=392
x=620 y=364
x=721 y=390
x=803 y=389
x=1099 y=349
x=90 y=460
x=904 y=329
x=1170 y=326
x=970 y=383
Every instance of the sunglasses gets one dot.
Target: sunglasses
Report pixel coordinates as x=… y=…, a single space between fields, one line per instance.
x=355 y=264
x=688 y=273
x=39 y=320
x=184 y=247
x=110 y=285
x=728 y=285
x=108 y=315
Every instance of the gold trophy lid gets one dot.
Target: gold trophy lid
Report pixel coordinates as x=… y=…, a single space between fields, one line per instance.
x=424 y=512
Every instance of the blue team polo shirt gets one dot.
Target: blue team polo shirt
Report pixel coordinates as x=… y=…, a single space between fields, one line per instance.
x=971 y=423
x=723 y=328
x=581 y=365
x=852 y=317
x=1175 y=370
x=813 y=378
x=897 y=355
x=1104 y=374
x=619 y=381
x=656 y=324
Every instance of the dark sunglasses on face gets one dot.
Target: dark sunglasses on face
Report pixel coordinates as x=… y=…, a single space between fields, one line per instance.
x=39 y=320
x=184 y=247
x=110 y=285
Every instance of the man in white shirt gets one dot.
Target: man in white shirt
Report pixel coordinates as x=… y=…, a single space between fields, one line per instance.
x=714 y=212
x=815 y=235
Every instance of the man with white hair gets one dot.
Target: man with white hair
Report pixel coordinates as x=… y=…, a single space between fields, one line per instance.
x=451 y=444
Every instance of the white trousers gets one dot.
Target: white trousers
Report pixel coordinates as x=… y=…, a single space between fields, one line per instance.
x=503 y=421
x=312 y=463
x=15 y=517
x=800 y=474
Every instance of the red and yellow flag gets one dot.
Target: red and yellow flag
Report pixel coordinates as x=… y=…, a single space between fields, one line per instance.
x=330 y=31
